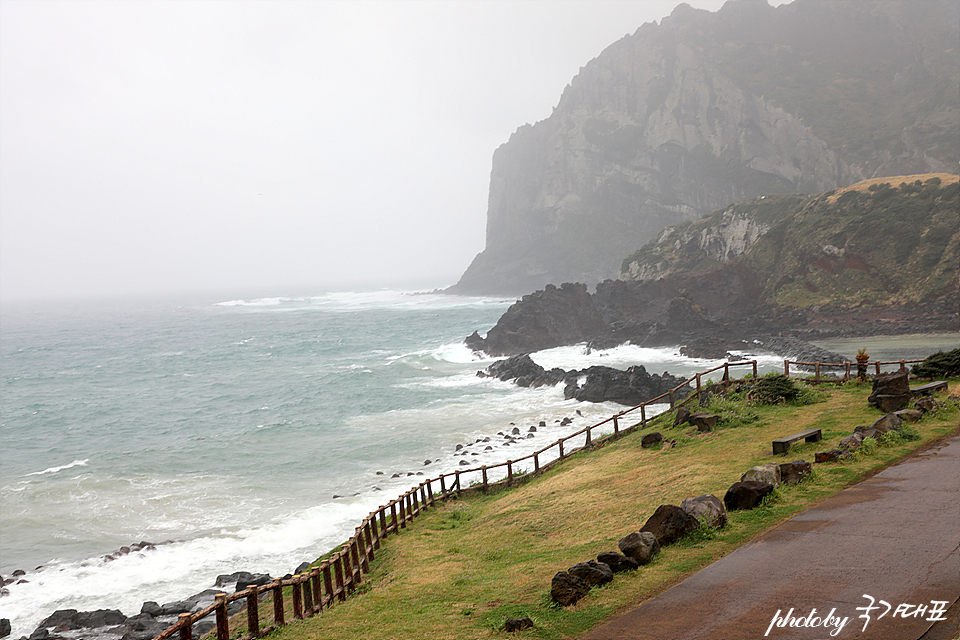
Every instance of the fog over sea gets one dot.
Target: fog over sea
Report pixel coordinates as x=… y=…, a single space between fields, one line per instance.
x=228 y=426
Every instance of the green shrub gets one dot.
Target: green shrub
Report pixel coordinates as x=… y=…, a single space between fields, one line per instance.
x=773 y=389
x=939 y=365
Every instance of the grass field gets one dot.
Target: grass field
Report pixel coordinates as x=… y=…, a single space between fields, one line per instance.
x=461 y=569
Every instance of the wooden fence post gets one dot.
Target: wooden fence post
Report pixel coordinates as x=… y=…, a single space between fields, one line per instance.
x=726 y=374
x=317 y=589
x=560 y=442
x=369 y=538
x=483 y=470
x=359 y=566
x=589 y=442
x=276 y=594
x=328 y=582
x=878 y=367
x=616 y=427
x=223 y=622
x=393 y=515
x=754 y=369
x=698 y=388
x=253 y=613
x=433 y=501
x=339 y=574
x=443 y=487
x=786 y=368
x=903 y=365
x=509 y=473
x=643 y=415
x=296 y=595
x=307 y=592
x=816 y=372
x=671 y=399
x=536 y=462
x=186 y=626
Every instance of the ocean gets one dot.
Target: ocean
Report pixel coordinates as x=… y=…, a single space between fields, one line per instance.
x=244 y=434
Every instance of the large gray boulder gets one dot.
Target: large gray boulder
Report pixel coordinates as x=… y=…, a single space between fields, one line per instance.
x=707 y=509
x=769 y=472
x=642 y=546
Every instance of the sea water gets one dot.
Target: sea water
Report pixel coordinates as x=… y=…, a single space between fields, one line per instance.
x=245 y=434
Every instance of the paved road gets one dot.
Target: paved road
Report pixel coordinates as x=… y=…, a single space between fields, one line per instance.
x=895 y=537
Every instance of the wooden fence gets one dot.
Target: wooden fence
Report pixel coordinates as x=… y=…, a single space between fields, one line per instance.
x=316 y=589
x=819 y=366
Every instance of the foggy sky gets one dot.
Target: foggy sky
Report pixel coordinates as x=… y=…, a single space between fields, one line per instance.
x=273 y=146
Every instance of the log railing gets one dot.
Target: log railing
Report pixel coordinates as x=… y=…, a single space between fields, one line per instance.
x=317 y=588
x=846 y=366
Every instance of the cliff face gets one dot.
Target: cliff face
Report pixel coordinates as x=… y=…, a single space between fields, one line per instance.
x=680 y=119
x=879 y=256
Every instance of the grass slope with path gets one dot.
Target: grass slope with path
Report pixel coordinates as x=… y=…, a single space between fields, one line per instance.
x=461 y=569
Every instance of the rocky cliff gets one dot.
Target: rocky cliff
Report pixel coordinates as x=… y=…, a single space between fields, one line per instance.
x=879 y=256
x=705 y=109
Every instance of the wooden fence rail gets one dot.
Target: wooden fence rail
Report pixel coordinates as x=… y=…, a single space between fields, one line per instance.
x=336 y=577
x=818 y=366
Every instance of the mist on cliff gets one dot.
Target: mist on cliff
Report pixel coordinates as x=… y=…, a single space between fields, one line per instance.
x=168 y=146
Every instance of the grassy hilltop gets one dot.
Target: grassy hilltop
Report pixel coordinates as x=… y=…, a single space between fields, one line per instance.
x=459 y=570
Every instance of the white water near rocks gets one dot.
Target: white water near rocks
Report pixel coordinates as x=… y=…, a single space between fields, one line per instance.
x=227 y=426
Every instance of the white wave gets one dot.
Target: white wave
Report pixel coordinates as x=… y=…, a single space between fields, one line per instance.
x=346 y=301
x=173 y=571
x=75 y=463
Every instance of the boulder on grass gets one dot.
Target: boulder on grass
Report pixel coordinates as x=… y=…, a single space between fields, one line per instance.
x=891 y=391
x=617 y=561
x=517 y=624
x=746 y=494
x=909 y=415
x=794 y=472
x=833 y=455
x=926 y=404
x=566 y=589
x=639 y=545
x=889 y=422
x=851 y=442
x=651 y=440
x=769 y=473
x=683 y=415
x=592 y=572
x=670 y=523
x=707 y=509
x=704 y=421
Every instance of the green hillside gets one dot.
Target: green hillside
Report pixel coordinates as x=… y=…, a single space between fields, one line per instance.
x=882 y=242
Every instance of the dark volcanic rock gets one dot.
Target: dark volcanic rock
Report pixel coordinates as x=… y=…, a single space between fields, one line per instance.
x=617 y=561
x=639 y=545
x=669 y=523
x=592 y=572
x=891 y=392
x=517 y=624
x=601 y=384
x=794 y=472
x=566 y=589
x=551 y=317
x=4 y=627
x=651 y=439
x=746 y=495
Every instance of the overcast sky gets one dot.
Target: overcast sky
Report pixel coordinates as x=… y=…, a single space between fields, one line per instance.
x=273 y=146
